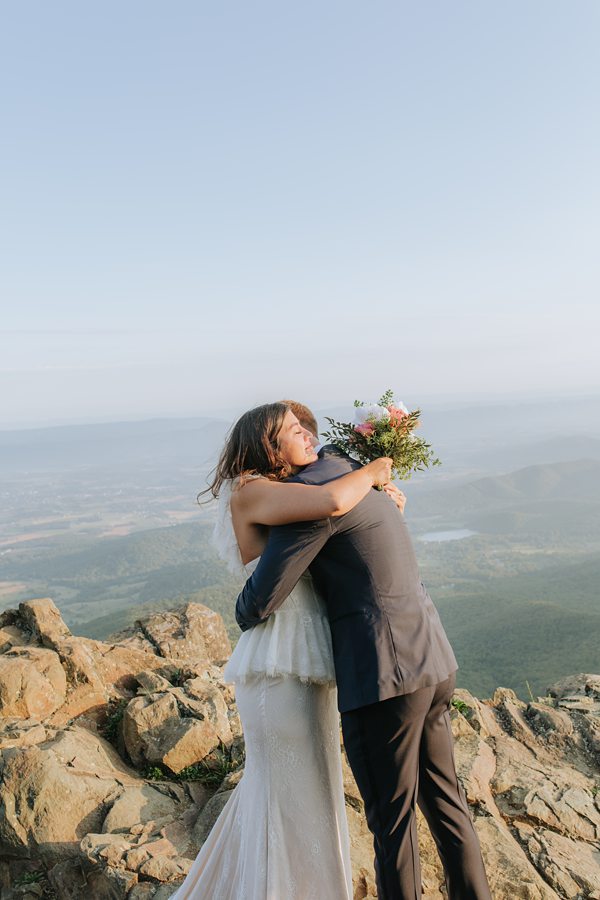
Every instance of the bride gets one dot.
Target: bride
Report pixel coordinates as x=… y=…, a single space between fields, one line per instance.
x=283 y=833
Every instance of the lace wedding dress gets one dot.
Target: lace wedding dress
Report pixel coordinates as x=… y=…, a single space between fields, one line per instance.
x=283 y=834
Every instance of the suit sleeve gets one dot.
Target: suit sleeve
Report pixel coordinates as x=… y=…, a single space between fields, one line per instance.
x=289 y=552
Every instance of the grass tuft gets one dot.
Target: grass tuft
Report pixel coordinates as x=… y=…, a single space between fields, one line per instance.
x=461 y=706
x=210 y=771
x=29 y=878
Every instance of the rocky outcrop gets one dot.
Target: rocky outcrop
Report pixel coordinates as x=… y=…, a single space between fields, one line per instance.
x=117 y=757
x=194 y=635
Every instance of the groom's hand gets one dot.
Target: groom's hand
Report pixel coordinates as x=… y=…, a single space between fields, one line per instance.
x=380 y=470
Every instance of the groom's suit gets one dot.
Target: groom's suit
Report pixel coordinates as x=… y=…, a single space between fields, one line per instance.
x=395 y=676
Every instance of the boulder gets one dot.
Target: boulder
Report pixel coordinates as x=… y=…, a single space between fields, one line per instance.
x=141 y=803
x=187 y=743
x=144 y=721
x=109 y=883
x=202 y=699
x=43 y=619
x=173 y=729
x=150 y=682
x=194 y=634
x=165 y=868
x=32 y=682
x=576 y=686
x=54 y=793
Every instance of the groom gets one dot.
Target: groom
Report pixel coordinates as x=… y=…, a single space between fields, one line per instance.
x=395 y=674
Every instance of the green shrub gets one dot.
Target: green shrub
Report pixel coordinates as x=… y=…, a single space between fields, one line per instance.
x=114 y=717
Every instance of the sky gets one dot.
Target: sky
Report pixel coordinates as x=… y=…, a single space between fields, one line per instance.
x=209 y=206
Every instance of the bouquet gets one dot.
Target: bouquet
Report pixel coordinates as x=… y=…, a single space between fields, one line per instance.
x=384 y=429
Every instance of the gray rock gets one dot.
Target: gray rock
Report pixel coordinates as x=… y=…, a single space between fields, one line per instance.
x=68 y=879
x=209 y=816
x=109 y=883
x=143 y=890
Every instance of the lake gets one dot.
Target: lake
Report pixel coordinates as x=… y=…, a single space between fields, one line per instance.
x=438 y=536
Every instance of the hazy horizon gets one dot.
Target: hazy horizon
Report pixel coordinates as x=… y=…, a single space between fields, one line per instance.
x=436 y=402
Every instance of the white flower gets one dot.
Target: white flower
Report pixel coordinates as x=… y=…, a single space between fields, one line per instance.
x=370 y=412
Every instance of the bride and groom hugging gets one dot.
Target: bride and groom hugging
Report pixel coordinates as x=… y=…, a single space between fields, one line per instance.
x=360 y=626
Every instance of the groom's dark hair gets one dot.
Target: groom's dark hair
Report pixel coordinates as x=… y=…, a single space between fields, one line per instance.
x=305 y=416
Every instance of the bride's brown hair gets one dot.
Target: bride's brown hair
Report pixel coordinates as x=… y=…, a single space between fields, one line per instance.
x=251 y=448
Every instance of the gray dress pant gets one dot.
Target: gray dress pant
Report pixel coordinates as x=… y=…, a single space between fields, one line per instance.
x=401 y=753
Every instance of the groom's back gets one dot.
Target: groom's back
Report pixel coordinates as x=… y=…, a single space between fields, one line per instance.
x=387 y=635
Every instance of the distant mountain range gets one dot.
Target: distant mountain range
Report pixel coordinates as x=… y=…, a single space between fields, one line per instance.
x=530 y=498
x=488 y=438
x=176 y=442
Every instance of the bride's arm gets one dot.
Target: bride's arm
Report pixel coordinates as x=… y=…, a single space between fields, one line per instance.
x=264 y=502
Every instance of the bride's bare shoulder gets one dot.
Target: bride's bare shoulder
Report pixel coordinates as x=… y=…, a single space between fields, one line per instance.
x=249 y=487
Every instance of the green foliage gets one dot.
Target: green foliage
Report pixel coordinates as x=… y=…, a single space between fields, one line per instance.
x=205 y=774
x=29 y=878
x=386 y=399
x=210 y=771
x=177 y=678
x=461 y=706
x=116 y=710
x=154 y=773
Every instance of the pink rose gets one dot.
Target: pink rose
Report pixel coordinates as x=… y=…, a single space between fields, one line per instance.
x=366 y=429
x=397 y=414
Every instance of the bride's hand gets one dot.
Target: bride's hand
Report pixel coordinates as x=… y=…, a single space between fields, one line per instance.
x=396 y=494
x=380 y=470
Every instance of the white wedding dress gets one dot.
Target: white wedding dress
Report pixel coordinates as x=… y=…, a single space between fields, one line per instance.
x=283 y=834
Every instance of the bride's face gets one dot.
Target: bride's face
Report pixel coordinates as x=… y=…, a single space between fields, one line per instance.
x=295 y=442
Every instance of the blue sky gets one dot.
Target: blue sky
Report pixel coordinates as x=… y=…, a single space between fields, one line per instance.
x=206 y=206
